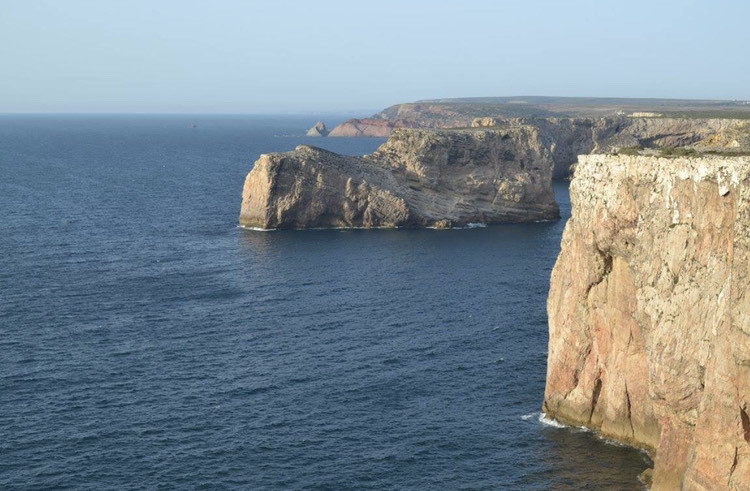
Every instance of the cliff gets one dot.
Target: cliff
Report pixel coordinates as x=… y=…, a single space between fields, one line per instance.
x=567 y=137
x=365 y=127
x=649 y=316
x=570 y=137
x=418 y=178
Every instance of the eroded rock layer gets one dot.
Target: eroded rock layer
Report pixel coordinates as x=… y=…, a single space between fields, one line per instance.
x=649 y=314
x=418 y=178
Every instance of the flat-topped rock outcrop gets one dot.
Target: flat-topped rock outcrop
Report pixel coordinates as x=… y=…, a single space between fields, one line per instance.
x=649 y=314
x=418 y=178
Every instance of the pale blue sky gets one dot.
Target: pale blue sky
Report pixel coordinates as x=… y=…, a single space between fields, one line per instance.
x=347 y=55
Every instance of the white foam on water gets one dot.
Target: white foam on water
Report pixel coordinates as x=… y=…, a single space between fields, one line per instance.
x=550 y=422
x=527 y=417
x=476 y=225
x=256 y=229
x=612 y=442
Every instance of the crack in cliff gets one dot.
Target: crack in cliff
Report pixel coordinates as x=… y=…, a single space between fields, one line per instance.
x=630 y=411
x=745 y=424
x=734 y=466
x=595 y=397
x=606 y=260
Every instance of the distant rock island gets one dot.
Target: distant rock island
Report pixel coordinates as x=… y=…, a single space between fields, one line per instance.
x=319 y=129
x=649 y=314
x=418 y=178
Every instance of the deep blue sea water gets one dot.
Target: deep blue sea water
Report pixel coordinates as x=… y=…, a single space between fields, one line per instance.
x=147 y=342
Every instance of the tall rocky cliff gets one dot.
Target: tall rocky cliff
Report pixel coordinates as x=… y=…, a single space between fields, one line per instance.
x=649 y=314
x=418 y=178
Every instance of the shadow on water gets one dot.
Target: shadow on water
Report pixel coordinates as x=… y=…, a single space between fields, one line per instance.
x=577 y=459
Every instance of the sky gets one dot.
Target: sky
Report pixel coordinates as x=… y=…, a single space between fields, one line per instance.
x=287 y=56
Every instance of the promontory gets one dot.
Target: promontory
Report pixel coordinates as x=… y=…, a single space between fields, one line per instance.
x=418 y=178
x=572 y=126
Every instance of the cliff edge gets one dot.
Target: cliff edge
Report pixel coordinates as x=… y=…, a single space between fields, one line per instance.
x=418 y=178
x=649 y=314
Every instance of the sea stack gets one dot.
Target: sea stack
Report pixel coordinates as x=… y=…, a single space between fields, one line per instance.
x=418 y=178
x=649 y=314
x=318 y=130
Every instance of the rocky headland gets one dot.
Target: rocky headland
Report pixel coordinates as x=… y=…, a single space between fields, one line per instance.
x=572 y=136
x=649 y=314
x=459 y=113
x=572 y=126
x=418 y=178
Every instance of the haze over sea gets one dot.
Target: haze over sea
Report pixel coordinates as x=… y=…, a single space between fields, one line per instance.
x=148 y=342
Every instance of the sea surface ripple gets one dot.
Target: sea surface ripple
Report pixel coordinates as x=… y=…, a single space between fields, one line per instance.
x=148 y=342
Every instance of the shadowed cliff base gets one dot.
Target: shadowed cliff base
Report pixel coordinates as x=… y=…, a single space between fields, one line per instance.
x=649 y=317
x=418 y=178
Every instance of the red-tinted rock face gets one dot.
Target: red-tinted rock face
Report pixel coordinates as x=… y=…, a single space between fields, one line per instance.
x=364 y=127
x=650 y=317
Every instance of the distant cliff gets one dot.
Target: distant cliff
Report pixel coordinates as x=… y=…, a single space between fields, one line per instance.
x=649 y=314
x=418 y=178
x=576 y=126
x=572 y=136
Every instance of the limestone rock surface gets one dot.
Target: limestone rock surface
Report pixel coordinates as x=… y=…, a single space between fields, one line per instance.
x=418 y=178
x=649 y=314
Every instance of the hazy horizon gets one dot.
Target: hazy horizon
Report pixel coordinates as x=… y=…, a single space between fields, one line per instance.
x=288 y=57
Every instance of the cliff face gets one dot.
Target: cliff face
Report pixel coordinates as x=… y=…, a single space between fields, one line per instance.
x=649 y=314
x=365 y=127
x=408 y=116
x=418 y=178
x=566 y=137
x=569 y=137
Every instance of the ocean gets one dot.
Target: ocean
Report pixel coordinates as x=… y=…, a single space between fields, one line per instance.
x=147 y=342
